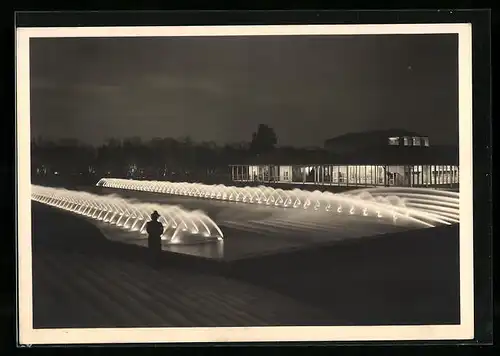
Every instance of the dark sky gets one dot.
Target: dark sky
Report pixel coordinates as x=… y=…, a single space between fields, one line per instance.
x=309 y=88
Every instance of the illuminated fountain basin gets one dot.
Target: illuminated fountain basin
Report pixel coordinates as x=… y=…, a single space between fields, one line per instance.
x=440 y=203
x=425 y=207
x=181 y=226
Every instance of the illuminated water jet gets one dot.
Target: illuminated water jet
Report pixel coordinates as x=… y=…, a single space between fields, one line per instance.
x=423 y=206
x=181 y=226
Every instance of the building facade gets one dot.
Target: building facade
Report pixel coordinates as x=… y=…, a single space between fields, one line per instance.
x=349 y=175
x=367 y=159
x=361 y=140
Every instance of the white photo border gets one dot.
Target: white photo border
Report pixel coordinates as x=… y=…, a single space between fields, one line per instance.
x=29 y=336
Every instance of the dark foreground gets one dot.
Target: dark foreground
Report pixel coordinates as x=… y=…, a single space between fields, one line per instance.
x=81 y=279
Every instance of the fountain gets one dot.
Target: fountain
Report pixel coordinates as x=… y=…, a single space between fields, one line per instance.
x=425 y=207
x=181 y=226
x=441 y=203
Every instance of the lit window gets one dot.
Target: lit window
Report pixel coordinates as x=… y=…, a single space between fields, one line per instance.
x=394 y=141
x=416 y=141
x=426 y=141
x=407 y=141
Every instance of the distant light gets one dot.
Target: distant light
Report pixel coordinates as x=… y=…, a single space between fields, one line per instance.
x=56 y=173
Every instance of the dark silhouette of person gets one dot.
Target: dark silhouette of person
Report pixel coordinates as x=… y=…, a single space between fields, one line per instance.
x=154 y=229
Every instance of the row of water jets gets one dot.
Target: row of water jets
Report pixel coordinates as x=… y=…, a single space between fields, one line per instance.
x=130 y=215
x=423 y=206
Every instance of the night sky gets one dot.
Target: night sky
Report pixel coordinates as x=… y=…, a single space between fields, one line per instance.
x=309 y=88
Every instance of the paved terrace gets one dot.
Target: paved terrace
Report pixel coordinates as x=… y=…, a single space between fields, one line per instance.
x=83 y=280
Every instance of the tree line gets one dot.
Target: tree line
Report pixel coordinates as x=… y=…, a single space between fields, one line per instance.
x=155 y=158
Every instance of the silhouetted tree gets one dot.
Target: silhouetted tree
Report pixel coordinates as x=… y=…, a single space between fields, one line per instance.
x=110 y=158
x=263 y=140
x=158 y=158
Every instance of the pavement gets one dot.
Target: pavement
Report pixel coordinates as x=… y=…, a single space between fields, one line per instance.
x=82 y=279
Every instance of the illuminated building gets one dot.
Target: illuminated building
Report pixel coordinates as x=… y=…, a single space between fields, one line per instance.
x=365 y=159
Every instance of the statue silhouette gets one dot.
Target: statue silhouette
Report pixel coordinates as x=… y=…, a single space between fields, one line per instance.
x=154 y=229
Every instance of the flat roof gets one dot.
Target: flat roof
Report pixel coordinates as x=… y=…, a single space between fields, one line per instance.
x=373 y=134
x=387 y=155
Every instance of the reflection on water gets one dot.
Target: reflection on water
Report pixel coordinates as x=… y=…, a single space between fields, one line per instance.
x=246 y=238
x=211 y=250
